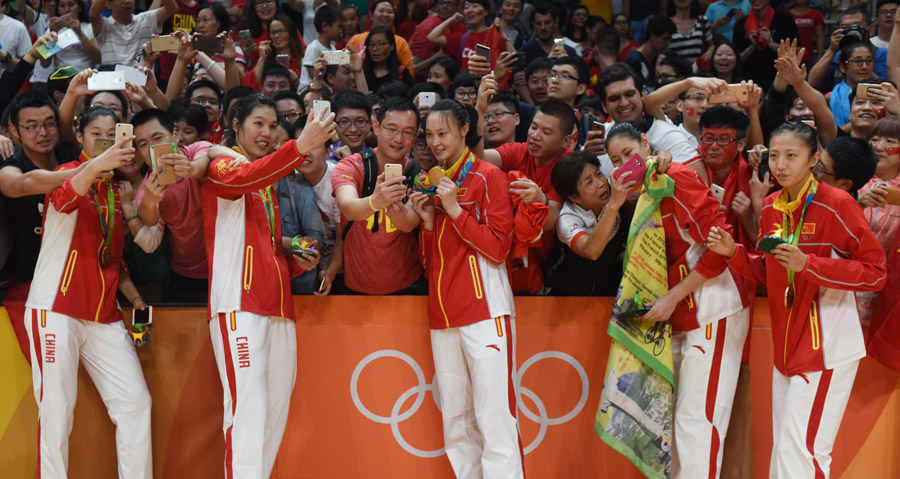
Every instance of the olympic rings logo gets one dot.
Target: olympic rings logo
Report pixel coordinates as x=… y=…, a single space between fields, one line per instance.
x=421 y=388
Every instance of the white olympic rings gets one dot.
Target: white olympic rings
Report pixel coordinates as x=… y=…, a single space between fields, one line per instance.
x=541 y=418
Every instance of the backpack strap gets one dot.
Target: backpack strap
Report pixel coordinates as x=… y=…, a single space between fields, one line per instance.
x=370 y=176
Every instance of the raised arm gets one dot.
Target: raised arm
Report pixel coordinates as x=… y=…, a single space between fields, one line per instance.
x=165 y=12
x=15 y=184
x=96 y=16
x=893 y=53
x=184 y=55
x=794 y=73
x=654 y=102
x=436 y=36
x=818 y=73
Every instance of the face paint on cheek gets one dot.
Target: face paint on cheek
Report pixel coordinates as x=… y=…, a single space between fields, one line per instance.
x=893 y=150
x=690 y=111
x=479 y=11
x=881 y=113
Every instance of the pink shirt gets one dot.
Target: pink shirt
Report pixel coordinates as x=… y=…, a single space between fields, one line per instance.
x=884 y=220
x=180 y=209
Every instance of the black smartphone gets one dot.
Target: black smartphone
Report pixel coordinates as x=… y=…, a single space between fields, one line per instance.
x=209 y=45
x=764 y=167
x=635 y=313
x=142 y=316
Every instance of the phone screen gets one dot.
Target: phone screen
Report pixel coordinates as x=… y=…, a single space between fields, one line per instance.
x=142 y=316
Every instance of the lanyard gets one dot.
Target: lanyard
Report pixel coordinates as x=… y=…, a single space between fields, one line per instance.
x=463 y=164
x=794 y=239
x=107 y=219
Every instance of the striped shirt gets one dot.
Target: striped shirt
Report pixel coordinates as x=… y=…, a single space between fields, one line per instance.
x=121 y=44
x=691 y=46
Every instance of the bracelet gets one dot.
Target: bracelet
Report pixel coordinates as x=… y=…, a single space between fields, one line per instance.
x=371 y=205
x=211 y=64
x=130 y=218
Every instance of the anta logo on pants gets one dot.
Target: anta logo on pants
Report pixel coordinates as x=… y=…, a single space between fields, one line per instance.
x=243 y=350
x=50 y=348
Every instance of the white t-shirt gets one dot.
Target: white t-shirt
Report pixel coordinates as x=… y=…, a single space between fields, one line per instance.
x=121 y=44
x=575 y=221
x=14 y=38
x=74 y=55
x=329 y=208
x=41 y=27
x=690 y=138
x=879 y=43
x=313 y=50
x=309 y=24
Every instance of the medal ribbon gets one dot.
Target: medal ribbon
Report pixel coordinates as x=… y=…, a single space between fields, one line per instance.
x=269 y=204
x=107 y=212
x=463 y=165
x=794 y=237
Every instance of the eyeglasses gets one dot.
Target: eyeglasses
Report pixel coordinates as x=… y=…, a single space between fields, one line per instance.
x=263 y=3
x=360 y=123
x=466 y=93
x=565 y=76
x=393 y=132
x=202 y=100
x=820 y=170
x=666 y=77
x=861 y=61
x=49 y=126
x=292 y=116
x=709 y=140
x=379 y=46
x=112 y=108
x=701 y=97
x=887 y=12
x=278 y=33
x=498 y=115
x=421 y=145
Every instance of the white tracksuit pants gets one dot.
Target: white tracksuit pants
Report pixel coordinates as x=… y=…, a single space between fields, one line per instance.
x=58 y=343
x=707 y=364
x=806 y=413
x=475 y=372
x=257 y=360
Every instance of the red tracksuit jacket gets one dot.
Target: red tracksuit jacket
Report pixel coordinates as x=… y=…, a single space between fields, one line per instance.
x=246 y=273
x=69 y=278
x=465 y=258
x=821 y=330
x=691 y=212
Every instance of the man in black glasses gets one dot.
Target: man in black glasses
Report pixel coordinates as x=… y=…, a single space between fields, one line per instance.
x=351 y=113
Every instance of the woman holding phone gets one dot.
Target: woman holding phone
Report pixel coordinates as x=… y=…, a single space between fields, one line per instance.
x=250 y=265
x=86 y=54
x=284 y=41
x=72 y=313
x=465 y=240
x=212 y=20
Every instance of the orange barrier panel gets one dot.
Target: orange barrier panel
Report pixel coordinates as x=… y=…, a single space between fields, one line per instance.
x=364 y=404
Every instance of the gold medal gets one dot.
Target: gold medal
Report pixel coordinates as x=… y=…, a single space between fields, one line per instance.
x=105 y=256
x=789 y=296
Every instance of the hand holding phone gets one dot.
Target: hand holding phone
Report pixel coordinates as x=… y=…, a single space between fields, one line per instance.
x=164 y=173
x=392 y=170
x=718 y=193
x=638 y=168
x=124 y=130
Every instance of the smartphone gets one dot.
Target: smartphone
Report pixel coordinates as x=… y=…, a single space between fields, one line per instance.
x=246 y=39
x=598 y=126
x=862 y=89
x=307 y=249
x=283 y=60
x=101 y=145
x=392 y=170
x=165 y=43
x=764 y=167
x=142 y=316
x=209 y=45
x=635 y=313
x=106 y=81
x=731 y=13
x=66 y=38
x=427 y=98
x=124 y=130
x=47 y=52
x=768 y=243
x=893 y=195
x=559 y=44
x=638 y=168
x=718 y=193
x=809 y=123
x=133 y=75
x=337 y=57
x=165 y=174
x=319 y=106
x=736 y=92
x=483 y=51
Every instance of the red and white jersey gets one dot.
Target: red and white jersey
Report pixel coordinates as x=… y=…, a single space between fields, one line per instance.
x=246 y=271
x=821 y=330
x=465 y=258
x=70 y=278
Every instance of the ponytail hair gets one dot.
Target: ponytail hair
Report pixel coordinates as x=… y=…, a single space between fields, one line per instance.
x=628 y=129
x=460 y=115
x=802 y=131
x=242 y=110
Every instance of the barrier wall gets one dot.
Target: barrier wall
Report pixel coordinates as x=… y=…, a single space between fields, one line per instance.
x=363 y=404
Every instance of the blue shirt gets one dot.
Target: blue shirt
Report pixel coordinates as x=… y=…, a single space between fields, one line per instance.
x=532 y=49
x=720 y=9
x=300 y=217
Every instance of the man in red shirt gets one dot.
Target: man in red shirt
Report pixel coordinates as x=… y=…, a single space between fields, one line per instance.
x=379 y=243
x=425 y=52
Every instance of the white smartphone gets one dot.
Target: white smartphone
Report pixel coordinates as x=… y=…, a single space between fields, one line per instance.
x=427 y=98
x=106 y=81
x=718 y=192
x=142 y=316
x=319 y=106
x=133 y=75
x=67 y=37
x=337 y=57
